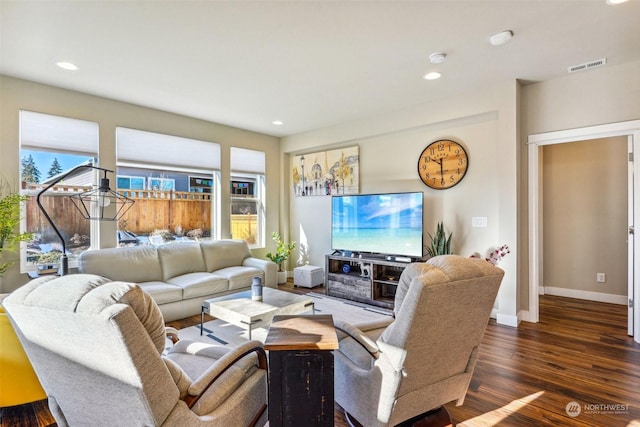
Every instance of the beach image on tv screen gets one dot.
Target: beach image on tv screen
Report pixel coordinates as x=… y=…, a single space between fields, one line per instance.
x=378 y=223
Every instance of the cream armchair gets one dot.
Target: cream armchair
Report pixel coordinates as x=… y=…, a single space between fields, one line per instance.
x=426 y=356
x=97 y=347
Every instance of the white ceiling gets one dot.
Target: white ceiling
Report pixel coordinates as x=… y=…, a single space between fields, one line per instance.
x=311 y=64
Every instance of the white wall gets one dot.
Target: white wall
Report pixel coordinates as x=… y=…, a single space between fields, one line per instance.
x=587 y=98
x=484 y=121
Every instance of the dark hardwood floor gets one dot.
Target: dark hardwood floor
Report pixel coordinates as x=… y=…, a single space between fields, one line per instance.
x=527 y=376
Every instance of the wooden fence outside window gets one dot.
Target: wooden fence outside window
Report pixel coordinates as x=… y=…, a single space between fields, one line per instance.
x=152 y=210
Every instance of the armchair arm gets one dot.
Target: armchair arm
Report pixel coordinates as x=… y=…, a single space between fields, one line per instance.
x=375 y=325
x=172 y=334
x=394 y=355
x=358 y=336
x=201 y=385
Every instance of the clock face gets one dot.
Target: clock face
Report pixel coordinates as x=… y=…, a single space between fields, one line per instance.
x=443 y=164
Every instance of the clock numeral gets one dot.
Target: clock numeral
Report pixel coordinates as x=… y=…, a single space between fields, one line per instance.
x=452 y=179
x=461 y=161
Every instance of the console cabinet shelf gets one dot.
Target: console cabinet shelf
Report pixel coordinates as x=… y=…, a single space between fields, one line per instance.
x=368 y=280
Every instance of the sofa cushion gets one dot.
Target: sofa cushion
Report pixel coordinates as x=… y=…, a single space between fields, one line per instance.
x=200 y=284
x=162 y=292
x=133 y=264
x=177 y=259
x=224 y=253
x=240 y=277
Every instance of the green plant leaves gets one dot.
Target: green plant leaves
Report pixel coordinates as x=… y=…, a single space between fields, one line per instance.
x=283 y=250
x=10 y=239
x=440 y=243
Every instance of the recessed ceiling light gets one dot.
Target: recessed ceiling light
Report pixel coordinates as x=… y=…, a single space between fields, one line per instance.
x=277 y=122
x=67 y=65
x=614 y=2
x=501 y=38
x=434 y=75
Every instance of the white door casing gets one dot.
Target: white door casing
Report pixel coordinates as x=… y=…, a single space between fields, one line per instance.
x=631 y=129
x=631 y=229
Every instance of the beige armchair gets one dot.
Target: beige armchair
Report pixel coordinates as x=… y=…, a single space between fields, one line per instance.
x=426 y=356
x=97 y=347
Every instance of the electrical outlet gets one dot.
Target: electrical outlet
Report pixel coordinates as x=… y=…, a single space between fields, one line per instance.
x=600 y=277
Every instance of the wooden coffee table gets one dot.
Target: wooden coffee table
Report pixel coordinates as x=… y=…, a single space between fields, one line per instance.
x=240 y=310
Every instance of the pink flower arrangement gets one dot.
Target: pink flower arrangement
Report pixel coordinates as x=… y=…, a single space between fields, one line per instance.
x=498 y=254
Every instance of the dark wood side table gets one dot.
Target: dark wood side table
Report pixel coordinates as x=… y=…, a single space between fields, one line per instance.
x=301 y=370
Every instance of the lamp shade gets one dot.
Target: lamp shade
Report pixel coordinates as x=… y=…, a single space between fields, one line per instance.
x=102 y=203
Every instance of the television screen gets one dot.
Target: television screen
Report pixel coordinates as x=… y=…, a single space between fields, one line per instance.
x=389 y=224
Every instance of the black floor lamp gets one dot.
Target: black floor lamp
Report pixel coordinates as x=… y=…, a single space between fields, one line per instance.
x=92 y=204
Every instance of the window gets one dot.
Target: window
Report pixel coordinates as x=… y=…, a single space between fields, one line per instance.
x=247 y=196
x=164 y=184
x=130 y=182
x=199 y=184
x=172 y=180
x=49 y=147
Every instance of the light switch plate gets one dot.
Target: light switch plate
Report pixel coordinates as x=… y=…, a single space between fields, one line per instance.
x=479 y=221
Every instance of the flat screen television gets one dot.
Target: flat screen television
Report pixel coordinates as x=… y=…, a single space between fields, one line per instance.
x=385 y=224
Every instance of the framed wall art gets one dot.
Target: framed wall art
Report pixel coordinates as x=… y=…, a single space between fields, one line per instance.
x=326 y=172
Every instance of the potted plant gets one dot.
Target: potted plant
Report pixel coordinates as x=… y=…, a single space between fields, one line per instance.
x=10 y=204
x=283 y=250
x=440 y=242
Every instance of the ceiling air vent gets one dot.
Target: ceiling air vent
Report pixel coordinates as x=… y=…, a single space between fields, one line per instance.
x=587 y=65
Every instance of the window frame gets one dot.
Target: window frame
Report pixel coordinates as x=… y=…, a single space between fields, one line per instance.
x=189 y=172
x=258 y=198
x=51 y=133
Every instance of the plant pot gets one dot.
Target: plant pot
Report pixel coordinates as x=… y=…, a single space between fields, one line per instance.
x=282 y=277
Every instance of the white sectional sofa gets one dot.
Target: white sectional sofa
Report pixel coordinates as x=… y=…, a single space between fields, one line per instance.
x=179 y=276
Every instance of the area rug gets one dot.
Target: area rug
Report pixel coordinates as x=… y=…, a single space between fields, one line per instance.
x=222 y=333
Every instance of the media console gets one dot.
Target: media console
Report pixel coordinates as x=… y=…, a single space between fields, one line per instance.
x=369 y=280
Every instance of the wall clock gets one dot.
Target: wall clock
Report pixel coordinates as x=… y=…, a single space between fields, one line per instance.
x=443 y=164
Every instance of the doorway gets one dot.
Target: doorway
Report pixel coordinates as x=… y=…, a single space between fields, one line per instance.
x=630 y=130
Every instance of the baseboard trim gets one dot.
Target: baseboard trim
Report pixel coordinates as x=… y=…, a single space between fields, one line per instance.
x=507 y=320
x=586 y=295
x=525 y=315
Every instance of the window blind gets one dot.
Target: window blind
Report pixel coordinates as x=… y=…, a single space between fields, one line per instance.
x=247 y=161
x=139 y=146
x=46 y=132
